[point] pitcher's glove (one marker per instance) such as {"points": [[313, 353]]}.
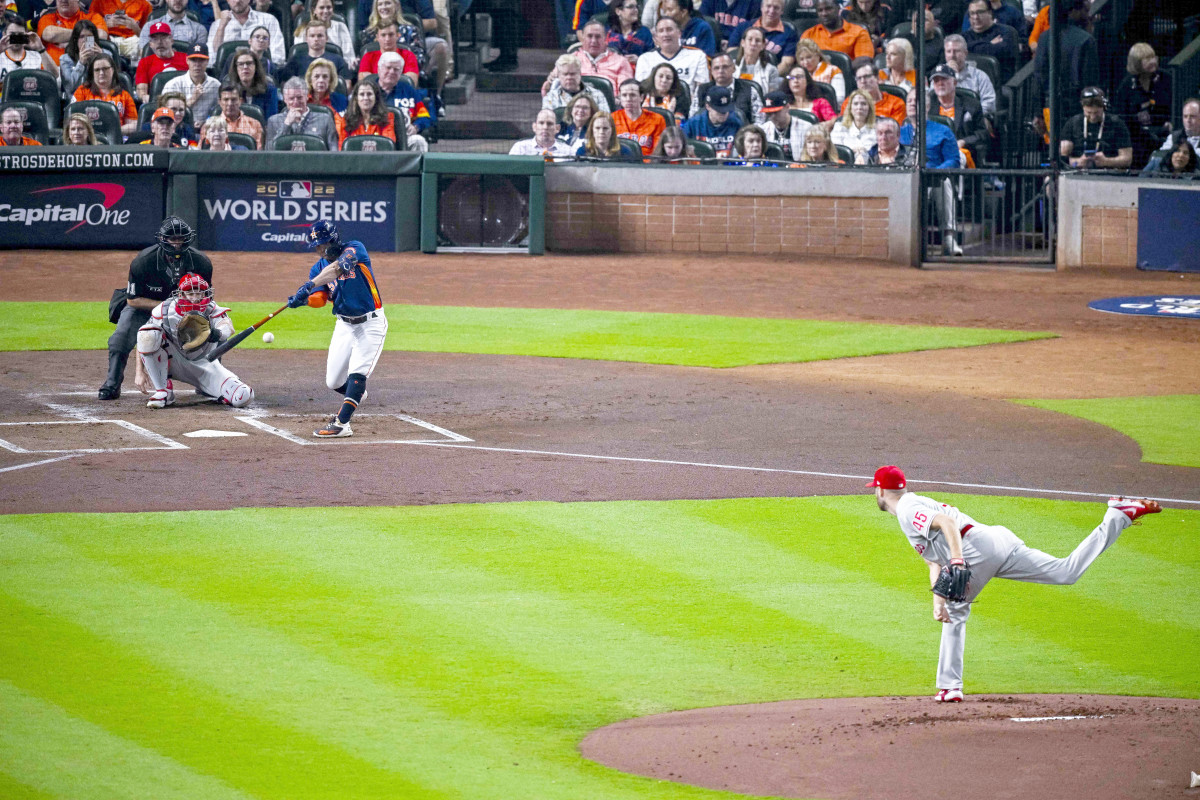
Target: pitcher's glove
{"points": [[953, 581], [194, 332]]}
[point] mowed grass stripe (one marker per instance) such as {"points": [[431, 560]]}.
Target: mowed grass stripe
{"points": [[271, 677], [75, 758], [157, 708], [678, 339]]}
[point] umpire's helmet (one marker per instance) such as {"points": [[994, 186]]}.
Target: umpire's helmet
{"points": [[323, 233], [175, 228]]}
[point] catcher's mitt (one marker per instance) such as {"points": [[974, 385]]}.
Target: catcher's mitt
{"points": [[194, 331], [953, 581]]}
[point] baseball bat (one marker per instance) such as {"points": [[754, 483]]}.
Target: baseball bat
{"points": [[236, 339]]}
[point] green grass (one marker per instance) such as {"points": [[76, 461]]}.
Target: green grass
{"points": [[462, 651], [1167, 428], [682, 339]]}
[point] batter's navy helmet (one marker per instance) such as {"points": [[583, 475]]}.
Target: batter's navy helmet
{"points": [[323, 232]]}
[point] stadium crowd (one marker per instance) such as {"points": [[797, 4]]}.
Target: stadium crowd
{"points": [[744, 82]]}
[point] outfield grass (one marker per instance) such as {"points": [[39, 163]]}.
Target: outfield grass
{"points": [[682, 339], [463, 651], [1167, 428]]}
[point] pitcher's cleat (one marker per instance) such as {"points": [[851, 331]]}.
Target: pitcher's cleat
{"points": [[948, 696]]}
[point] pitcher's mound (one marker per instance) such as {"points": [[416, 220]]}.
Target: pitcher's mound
{"points": [[911, 748]]}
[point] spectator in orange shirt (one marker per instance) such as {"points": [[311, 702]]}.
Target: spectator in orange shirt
{"points": [[833, 33], [366, 114], [1041, 24], [124, 19], [12, 129], [633, 122], [886, 105], [55, 28], [100, 83]]}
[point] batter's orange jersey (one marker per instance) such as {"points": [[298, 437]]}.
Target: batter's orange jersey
{"points": [[644, 130]]}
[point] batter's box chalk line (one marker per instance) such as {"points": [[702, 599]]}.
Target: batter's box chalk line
{"points": [[163, 443], [257, 419]]}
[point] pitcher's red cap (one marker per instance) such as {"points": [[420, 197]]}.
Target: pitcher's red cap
{"points": [[889, 477]]}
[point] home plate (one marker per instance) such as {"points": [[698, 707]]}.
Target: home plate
{"points": [[207, 434]]}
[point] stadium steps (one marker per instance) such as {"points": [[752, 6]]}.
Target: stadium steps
{"points": [[501, 108]]}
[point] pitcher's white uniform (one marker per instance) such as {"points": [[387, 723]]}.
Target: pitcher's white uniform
{"points": [[163, 357], [991, 551]]}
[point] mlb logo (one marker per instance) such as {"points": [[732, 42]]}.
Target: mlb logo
{"points": [[296, 190], [370, 146]]}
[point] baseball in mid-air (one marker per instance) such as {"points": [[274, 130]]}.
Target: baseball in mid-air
{"points": [[268, 337]]}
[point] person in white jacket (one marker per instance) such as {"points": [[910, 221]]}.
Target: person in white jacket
{"points": [[856, 128]]}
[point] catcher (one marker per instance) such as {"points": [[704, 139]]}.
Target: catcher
{"points": [[181, 331], [964, 555]]}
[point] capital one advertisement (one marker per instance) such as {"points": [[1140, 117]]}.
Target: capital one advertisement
{"points": [[276, 213], [96, 210]]}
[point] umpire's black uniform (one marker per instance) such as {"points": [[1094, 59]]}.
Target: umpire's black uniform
{"points": [[153, 275]]}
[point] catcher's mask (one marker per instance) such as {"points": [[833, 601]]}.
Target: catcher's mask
{"points": [[175, 236], [194, 294]]}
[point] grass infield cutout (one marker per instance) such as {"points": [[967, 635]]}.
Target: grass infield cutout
{"points": [[1167, 427], [678, 339], [463, 651]]}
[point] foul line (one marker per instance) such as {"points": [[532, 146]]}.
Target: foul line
{"points": [[773, 469]]}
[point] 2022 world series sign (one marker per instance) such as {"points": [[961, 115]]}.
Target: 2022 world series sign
{"points": [[275, 213]]}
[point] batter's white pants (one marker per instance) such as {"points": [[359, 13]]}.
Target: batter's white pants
{"points": [[1003, 555], [355, 348]]}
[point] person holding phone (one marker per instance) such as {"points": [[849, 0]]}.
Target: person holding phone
{"points": [[124, 19], [55, 27], [21, 49], [1096, 139], [81, 49]]}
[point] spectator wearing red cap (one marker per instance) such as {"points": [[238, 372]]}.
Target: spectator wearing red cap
{"points": [[162, 128], [963, 555], [183, 28], [163, 56]]}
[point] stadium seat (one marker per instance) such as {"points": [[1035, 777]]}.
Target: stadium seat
{"points": [[774, 152], [160, 80], [254, 112], [301, 142], [807, 116], [845, 153], [560, 114], [303, 48], [702, 149], [399, 122], [667, 115], [103, 114], [755, 88], [180, 47], [842, 62], [34, 115], [364, 142], [989, 66], [630, 148], [244, 139], [147, 110], [35, 86], [827, 91], [604, 87], [223, 54], [892, 89], [317, 108]]}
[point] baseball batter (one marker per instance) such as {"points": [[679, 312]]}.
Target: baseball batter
{"points": [[181, 331], [963, 555], [344, 276], [153, 275]]}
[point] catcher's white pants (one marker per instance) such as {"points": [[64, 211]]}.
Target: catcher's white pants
{"points": [[1002, 555], [355, 348], [211, 377]]}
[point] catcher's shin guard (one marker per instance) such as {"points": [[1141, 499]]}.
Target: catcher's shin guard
{"points": [[236, 394], [154, 358]]}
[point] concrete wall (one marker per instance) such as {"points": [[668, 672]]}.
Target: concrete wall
{"points": [[1098, 219], [857, 213]]}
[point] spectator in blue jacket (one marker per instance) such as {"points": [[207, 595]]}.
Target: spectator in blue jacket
{"points": [[717, 124], [941, 148]]}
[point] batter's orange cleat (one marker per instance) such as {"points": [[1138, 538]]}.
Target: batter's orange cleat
{"points": [[1134, 508]]}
